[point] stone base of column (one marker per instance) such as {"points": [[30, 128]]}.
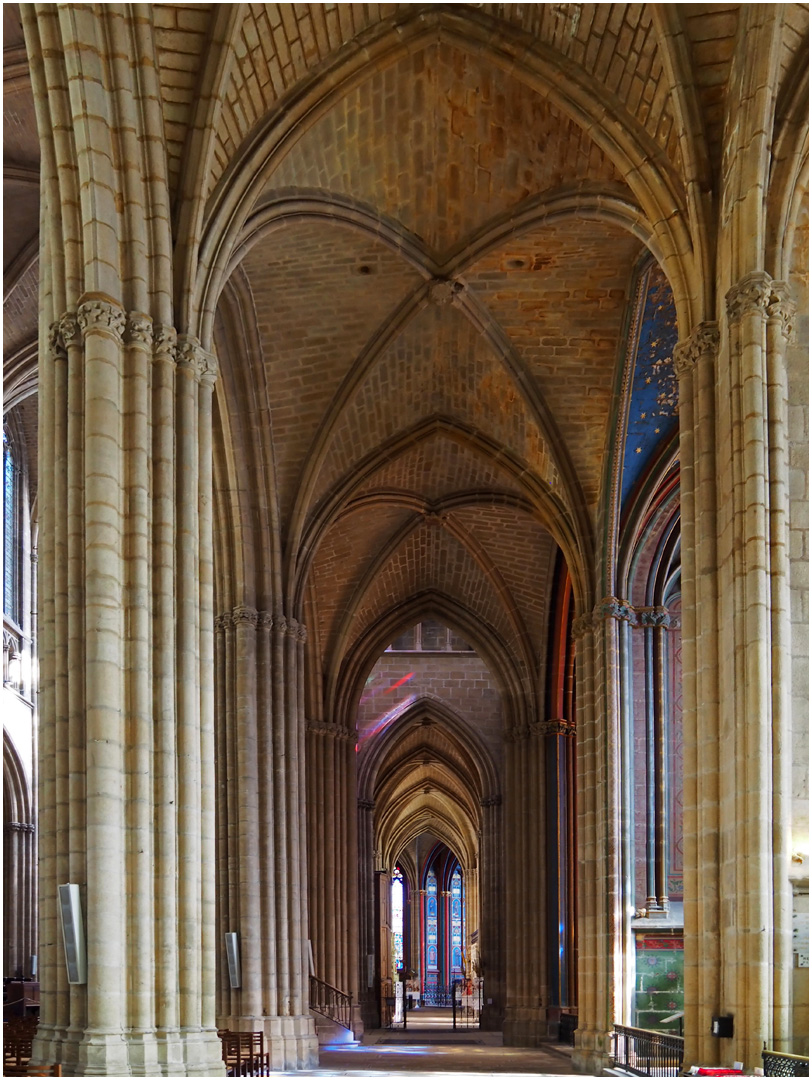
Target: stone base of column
{"points": [[369, 1013], [357, 1023], [103, 1053], [94, 1053], [491, 1018], [291, 1041], [525, 1026], [591, 1054]]}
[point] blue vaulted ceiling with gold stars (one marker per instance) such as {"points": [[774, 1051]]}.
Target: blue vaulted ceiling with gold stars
{"points": [[651, 400]]}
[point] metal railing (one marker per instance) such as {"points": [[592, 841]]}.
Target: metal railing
{"points": [[331, 1002], [778, 1064], [648, 1053]]}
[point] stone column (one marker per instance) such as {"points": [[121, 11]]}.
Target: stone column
{"points": [[695, 362], [262, 871], [492, 886], [524, 890], [367, 916], [333, 858], [603, 960], [18, 880], [119, 820]]}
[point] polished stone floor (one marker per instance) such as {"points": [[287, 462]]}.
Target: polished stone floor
{"points": [[430, 1048]]}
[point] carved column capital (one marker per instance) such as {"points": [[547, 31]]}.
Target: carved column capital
{"points": [[749, 297], [611, 607], [242, 615], [296, 630], [193, 357], [139, 330], [164, 343], [490, 800], [69, 330], [56, 346], [704, 341], [581, 624], [20, 826], [782, 308], [102, 315], [265, 620], [654, 616], [366, 804], [555, 727]]}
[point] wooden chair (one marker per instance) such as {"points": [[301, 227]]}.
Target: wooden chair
{"points": [[244, 1053]]}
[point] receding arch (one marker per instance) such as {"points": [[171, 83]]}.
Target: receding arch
{"points": [[344, 683], [540, 502]]}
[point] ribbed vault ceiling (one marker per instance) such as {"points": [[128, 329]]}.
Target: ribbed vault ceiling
{"points": [[436, 436]]}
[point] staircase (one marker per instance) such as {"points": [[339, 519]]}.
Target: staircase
{"points": [[332, 1011]]}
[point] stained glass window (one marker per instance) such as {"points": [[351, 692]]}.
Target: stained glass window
{"points": [[11, 546], [456, 922], [397, 921], [431, 921]]}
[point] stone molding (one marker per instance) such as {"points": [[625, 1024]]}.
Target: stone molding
{"points": [[750, 296], [703, 341], [611, 607]]}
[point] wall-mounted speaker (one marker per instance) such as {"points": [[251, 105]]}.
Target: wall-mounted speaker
{"points": [[73, 933], [233, 956]]}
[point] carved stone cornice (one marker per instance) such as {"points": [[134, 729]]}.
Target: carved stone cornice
{"points": [[750, 297], [102, 315], [703, 342], [444, 291], [139, 330], [782, 308]]}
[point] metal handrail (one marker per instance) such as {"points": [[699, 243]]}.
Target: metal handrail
{"points": [[331, 1002], [648, 1053], [777, 1063]]}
